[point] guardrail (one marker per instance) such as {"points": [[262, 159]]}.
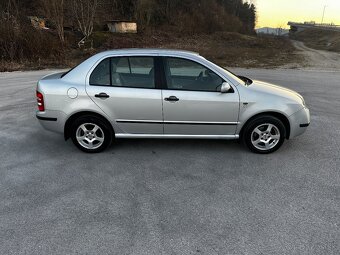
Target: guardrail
{"points": [[315, 25]]}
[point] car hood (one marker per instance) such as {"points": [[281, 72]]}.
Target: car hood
{"points": [[276, 90]]}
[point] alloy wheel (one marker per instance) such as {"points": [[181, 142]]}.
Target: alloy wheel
{"points": [[90, 136], [265, 137]]}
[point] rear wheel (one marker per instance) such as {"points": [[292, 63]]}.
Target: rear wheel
{"points": [[264, 134], [91, 134]]}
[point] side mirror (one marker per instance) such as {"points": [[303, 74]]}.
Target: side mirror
{"points": [[225, 88]]}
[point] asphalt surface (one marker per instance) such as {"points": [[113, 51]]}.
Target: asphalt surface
{"points": [[170, 196]]}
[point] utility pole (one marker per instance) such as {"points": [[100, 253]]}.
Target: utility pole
{"points": [[323, 14]]}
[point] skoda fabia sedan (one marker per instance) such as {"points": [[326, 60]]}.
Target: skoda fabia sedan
{"points": [[153, 93]]}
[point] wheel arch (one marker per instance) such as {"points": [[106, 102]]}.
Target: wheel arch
{"points": [[278, 115], [73, 117]]}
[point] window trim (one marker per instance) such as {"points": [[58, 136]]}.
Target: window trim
{"points": [[160, 78], [156, 81], [128, 63], [165, 87]]}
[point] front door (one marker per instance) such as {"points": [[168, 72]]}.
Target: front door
{"points": [[193, 103], [124, 88]]}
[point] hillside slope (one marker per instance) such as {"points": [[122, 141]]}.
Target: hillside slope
{"points": [[319, 39], [224, 48]]}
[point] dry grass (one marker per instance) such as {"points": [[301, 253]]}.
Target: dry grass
{"points": [[224, 48]]}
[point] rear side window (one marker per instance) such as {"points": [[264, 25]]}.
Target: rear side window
{"points": [[133, 72], [101, 74]]}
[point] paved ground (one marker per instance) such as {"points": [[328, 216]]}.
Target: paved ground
{"points": [[172, 196]]}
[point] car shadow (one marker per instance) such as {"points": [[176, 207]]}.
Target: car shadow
{"points": [[178, 144]]}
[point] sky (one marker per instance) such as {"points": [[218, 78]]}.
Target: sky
{"points": [[277, 13]]}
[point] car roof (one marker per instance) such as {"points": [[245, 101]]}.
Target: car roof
{"points": [[149, 51], [78, 74]]}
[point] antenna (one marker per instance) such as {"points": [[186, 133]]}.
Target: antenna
{"points": [[323, 14]]}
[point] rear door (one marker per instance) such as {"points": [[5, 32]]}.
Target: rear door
{"points": [[125, 89], [193, 103]]}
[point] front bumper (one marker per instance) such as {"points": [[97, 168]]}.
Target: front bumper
{"points": [[299, 122], [52, 120]]}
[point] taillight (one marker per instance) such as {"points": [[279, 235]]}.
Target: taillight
{"points": [[40, 100]]}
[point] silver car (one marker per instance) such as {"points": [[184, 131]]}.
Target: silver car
{"points": [[154, 93]]}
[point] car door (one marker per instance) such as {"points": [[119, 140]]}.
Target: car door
{"points": [[193, 103], [125, 89]]}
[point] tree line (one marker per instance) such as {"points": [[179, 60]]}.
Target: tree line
{"points": [[192, 16], [204, 15], [19, 40]]}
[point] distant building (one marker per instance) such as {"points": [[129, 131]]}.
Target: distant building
{"points": [[122, 26], [272, 31]]}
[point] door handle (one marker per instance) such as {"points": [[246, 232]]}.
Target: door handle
{"points": [[102, 95], [171, 99]]}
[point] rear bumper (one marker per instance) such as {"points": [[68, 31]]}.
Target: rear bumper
{"points": [[52, 120], [299, 122], [46, 118]]}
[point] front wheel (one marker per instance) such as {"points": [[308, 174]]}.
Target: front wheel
{"points": [[91, 134], [264, 134]]}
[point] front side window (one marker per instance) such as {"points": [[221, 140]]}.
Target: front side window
{"points": [[183, 74], [134, 72]]}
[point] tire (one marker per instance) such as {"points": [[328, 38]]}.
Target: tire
{"points": [[264, 134], [91, 134]]}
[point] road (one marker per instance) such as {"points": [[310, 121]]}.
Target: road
{"points": [[170, 196], [318, 59]]}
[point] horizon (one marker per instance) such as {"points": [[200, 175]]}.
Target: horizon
{"points": [[277, 13]]}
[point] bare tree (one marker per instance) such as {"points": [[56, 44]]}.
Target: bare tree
{"points": [[12, 8], [84, 12], [146, 10], [54, 10], [9, 29]]}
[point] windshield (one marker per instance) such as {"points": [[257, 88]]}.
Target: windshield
{"points": [[233, 76]]}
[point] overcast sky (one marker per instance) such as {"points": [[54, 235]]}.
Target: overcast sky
{"points": [[275, 13]]}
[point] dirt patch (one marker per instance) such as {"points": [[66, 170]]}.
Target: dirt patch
{"points": [[317, 59]]}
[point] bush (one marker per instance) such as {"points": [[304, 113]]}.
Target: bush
{"points": [[20, 42]]}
